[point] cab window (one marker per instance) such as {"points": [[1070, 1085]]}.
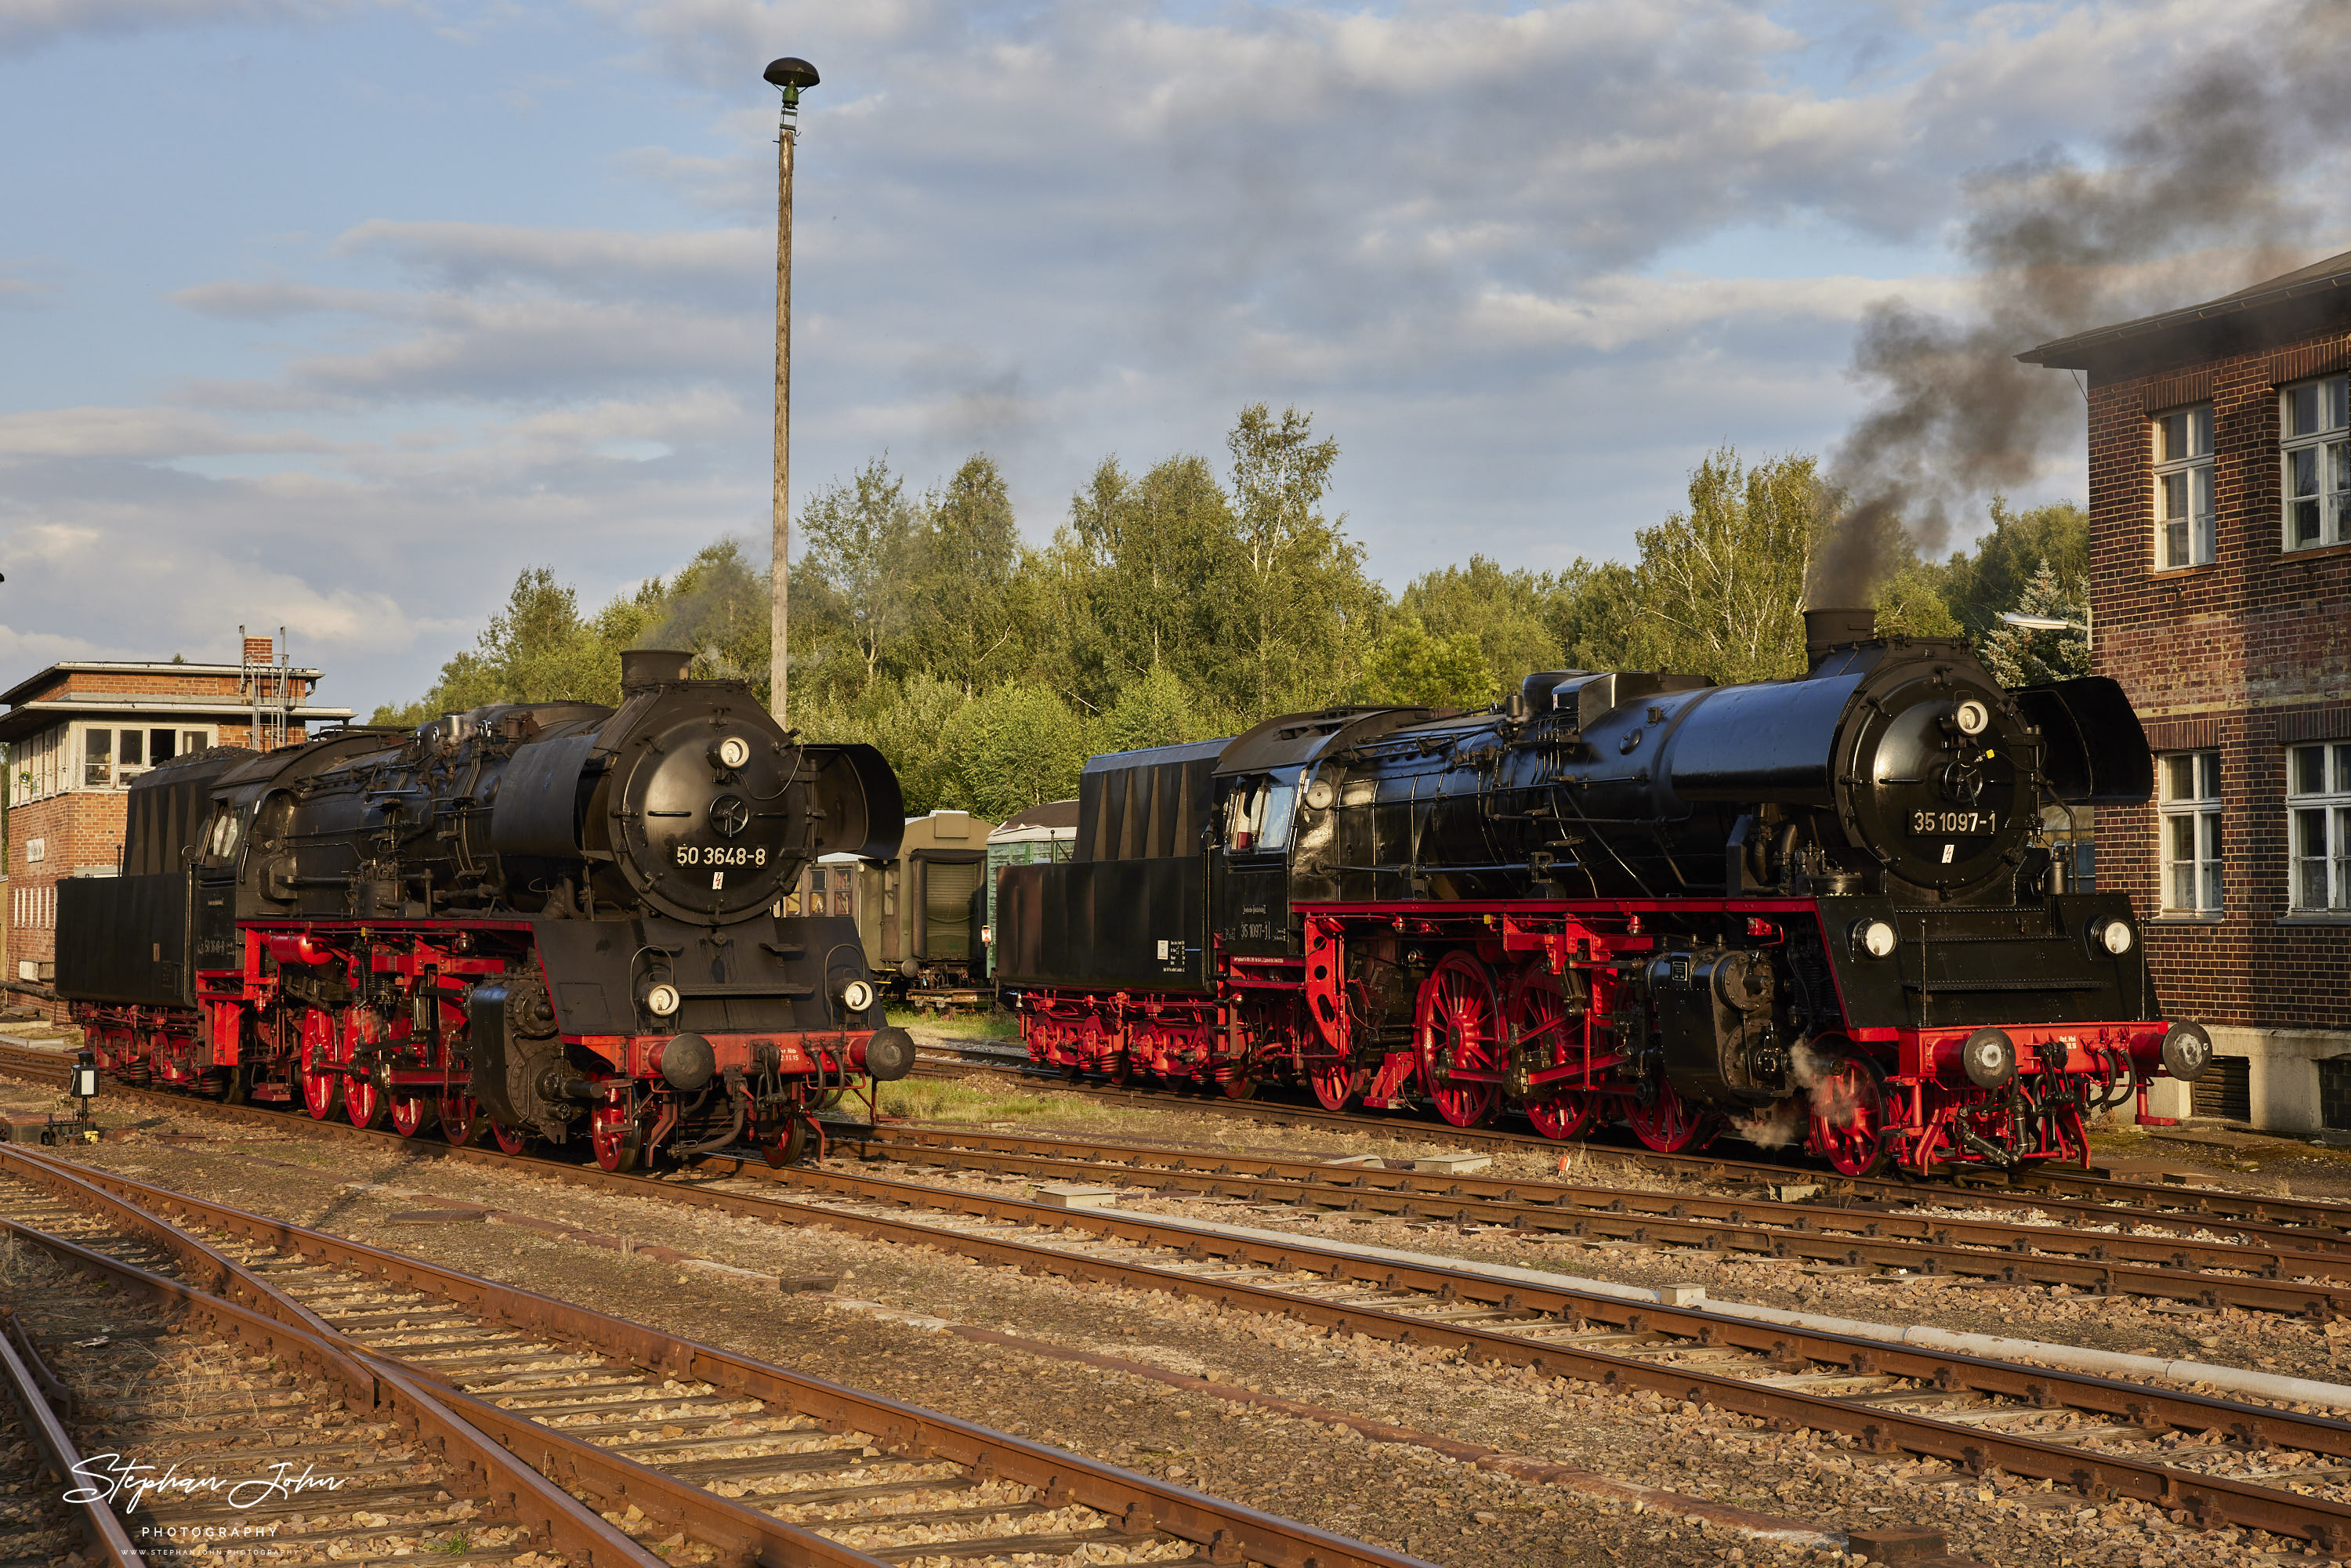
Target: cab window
{"points": [[1258, 815]]}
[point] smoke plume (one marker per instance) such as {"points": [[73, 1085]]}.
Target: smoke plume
{"points": [[2193, 201]]}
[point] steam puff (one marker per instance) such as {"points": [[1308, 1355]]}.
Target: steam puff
{"points": [[2195, 199]]}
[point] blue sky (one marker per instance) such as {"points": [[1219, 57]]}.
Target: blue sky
{"points": [[336, 314]]}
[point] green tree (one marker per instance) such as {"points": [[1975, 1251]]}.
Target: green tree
{"points": [[1297, 606], [717, 609], [1721, 586], [1157, 546], [535, 649], [860, 541], [1995, 575], [1407, 666], [2023, 657], [968, 551], [1507, 612]]}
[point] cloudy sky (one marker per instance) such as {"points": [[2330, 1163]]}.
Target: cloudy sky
{"points": [[337, 313]]}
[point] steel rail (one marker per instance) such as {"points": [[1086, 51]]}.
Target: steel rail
{"points": [[1228, 1532], [2294, 1223], [2210, 1499], [561, 1520], [1800, 1232], [100, 1526], [2029, 1186], [1877, 1427]]}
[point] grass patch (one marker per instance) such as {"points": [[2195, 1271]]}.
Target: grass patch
{"points": [[993, 1024], [962, 1100]]}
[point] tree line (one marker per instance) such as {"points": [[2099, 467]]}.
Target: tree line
{"points": [[1184, 602]]}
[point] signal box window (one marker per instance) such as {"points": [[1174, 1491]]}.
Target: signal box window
{"points": [[2190, 809], [2318, 803], [2314, 427], [97, 758], [2184, 530]]}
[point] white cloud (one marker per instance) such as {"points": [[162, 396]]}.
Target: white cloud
{"points": [[140, 433], [29, 25]]}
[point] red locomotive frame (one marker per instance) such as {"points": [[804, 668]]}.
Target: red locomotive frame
{"points": [[1522, 1008], [251, 1037]]}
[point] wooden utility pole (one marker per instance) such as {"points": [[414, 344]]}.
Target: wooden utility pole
{"points": [[790, 76]]}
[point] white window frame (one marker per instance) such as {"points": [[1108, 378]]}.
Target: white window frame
{"points": [[2318, 828], [2181, 442], [118, 773], [2196, 816], [2325, 452]]}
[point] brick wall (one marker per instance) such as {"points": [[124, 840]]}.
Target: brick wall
{"points": [[2221, 657]]}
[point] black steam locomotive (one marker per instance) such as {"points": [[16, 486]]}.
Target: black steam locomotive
{"points": [[537, 919], [1819, 909]]}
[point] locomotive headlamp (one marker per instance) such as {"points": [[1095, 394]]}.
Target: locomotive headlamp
{"points": [[2114, 936], [734, 751], [1973, 717], [660, 999], [856, 996], [1874, 937]]}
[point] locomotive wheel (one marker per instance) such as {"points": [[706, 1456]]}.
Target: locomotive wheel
{"points": [[1239, 1086], [1849, 1117], [461, 1119], [1460, 1022], [613, 1132], [1337, 1084], [1668, 1124], [322, 1089], [787, 1146], [1541, 1019], [411, 1114], [510, 1140], [363, 1103], [1566, 1114]]}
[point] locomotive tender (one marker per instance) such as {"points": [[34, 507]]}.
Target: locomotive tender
{"points": [[1817, 909], [537, 918]]}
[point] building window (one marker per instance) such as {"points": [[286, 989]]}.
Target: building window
{"points": [[2315, 422], [2184, 532], [97, 758], [2318, 802], [2192, 832]]}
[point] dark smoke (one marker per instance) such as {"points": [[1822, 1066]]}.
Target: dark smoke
{"points": [[2192, 201]]}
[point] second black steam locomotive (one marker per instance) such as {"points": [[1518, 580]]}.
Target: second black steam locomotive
{"points": [[1820, 909], [550, 919]]}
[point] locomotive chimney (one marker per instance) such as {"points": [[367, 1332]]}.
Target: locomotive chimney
{"points": [[644, 668], [1826, 629]]}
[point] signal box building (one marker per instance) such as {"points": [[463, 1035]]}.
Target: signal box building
{"points": [[2220, 598], [79, 733]]}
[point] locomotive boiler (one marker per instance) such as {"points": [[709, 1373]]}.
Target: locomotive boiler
{"points": [[1819, 909], [556, 920]]}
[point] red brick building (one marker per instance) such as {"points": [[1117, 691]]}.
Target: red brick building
{"points": [[76, 734], [2220, 599]]}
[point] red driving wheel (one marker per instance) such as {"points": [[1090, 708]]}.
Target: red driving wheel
{"points": [[461, 1119], [1460, 1031], [1337, 1084], [1849, 1116], [322, 1088], [510, 1140], [614, 1134], [1670, 1124], [1548, 1030], [410, 1114]]}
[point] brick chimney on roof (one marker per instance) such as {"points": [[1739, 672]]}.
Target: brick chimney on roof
{"points": [[259, 650]]}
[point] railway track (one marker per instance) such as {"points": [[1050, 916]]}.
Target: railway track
{"points": [[280, 1439], [2033, 1187], [646, 1424], [2264, 1268], [2210, 1462]]}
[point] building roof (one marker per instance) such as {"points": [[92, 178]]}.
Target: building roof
{"points": [[31, 718], [16, 694], [2078, 351]]}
